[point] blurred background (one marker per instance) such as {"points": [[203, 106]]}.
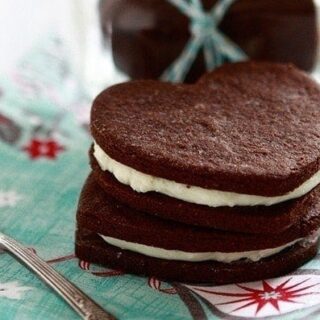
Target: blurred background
{"points": [[24, 23], [72, 29], [26, 28]]}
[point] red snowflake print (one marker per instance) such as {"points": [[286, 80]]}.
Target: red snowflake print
{"points": [[47, 148], [263, 298]]}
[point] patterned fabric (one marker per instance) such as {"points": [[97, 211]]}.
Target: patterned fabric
{"points": [[43, 156], [217, 47]]}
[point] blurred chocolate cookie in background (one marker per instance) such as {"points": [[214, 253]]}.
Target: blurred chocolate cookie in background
{"points": [[147, 36]]}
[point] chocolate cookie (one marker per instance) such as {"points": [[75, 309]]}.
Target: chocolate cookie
{"points": [[148, 35], [256, 219], [90, 247], [250, 128], [103, 215]]}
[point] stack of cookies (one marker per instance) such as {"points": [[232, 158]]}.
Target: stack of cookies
{"points": [[212, 182]]}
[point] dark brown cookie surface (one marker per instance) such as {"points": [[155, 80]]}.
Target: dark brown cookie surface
{"points": [[101, 214], [256, 219], [248, 128], [148, 35], [92, 248]]}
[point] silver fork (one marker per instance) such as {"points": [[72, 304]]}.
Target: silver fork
{"points": [[79, 301]]}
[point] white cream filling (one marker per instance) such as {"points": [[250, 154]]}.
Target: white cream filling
{"points": [[227, 257], [142, 182]]}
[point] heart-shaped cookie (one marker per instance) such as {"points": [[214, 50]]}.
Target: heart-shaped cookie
{"points": [[169, 161], [117, 236], [247, 128], [263, 220]]}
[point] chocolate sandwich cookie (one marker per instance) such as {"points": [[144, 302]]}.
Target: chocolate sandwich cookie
{"points": [[257, 219], [90, 247], [148, 35], [218, 256], [246, 134]]}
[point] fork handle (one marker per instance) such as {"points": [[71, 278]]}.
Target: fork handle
{"points": [[78, 300]]}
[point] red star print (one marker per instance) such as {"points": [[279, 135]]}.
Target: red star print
{"points": [[43, 148], [268, 295]]}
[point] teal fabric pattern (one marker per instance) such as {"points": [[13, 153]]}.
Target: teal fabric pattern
{"points": [[43, 156], [205, 34]]}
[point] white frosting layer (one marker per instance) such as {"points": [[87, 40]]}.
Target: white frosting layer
{"points": [[142, 182], [226, 257]]}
